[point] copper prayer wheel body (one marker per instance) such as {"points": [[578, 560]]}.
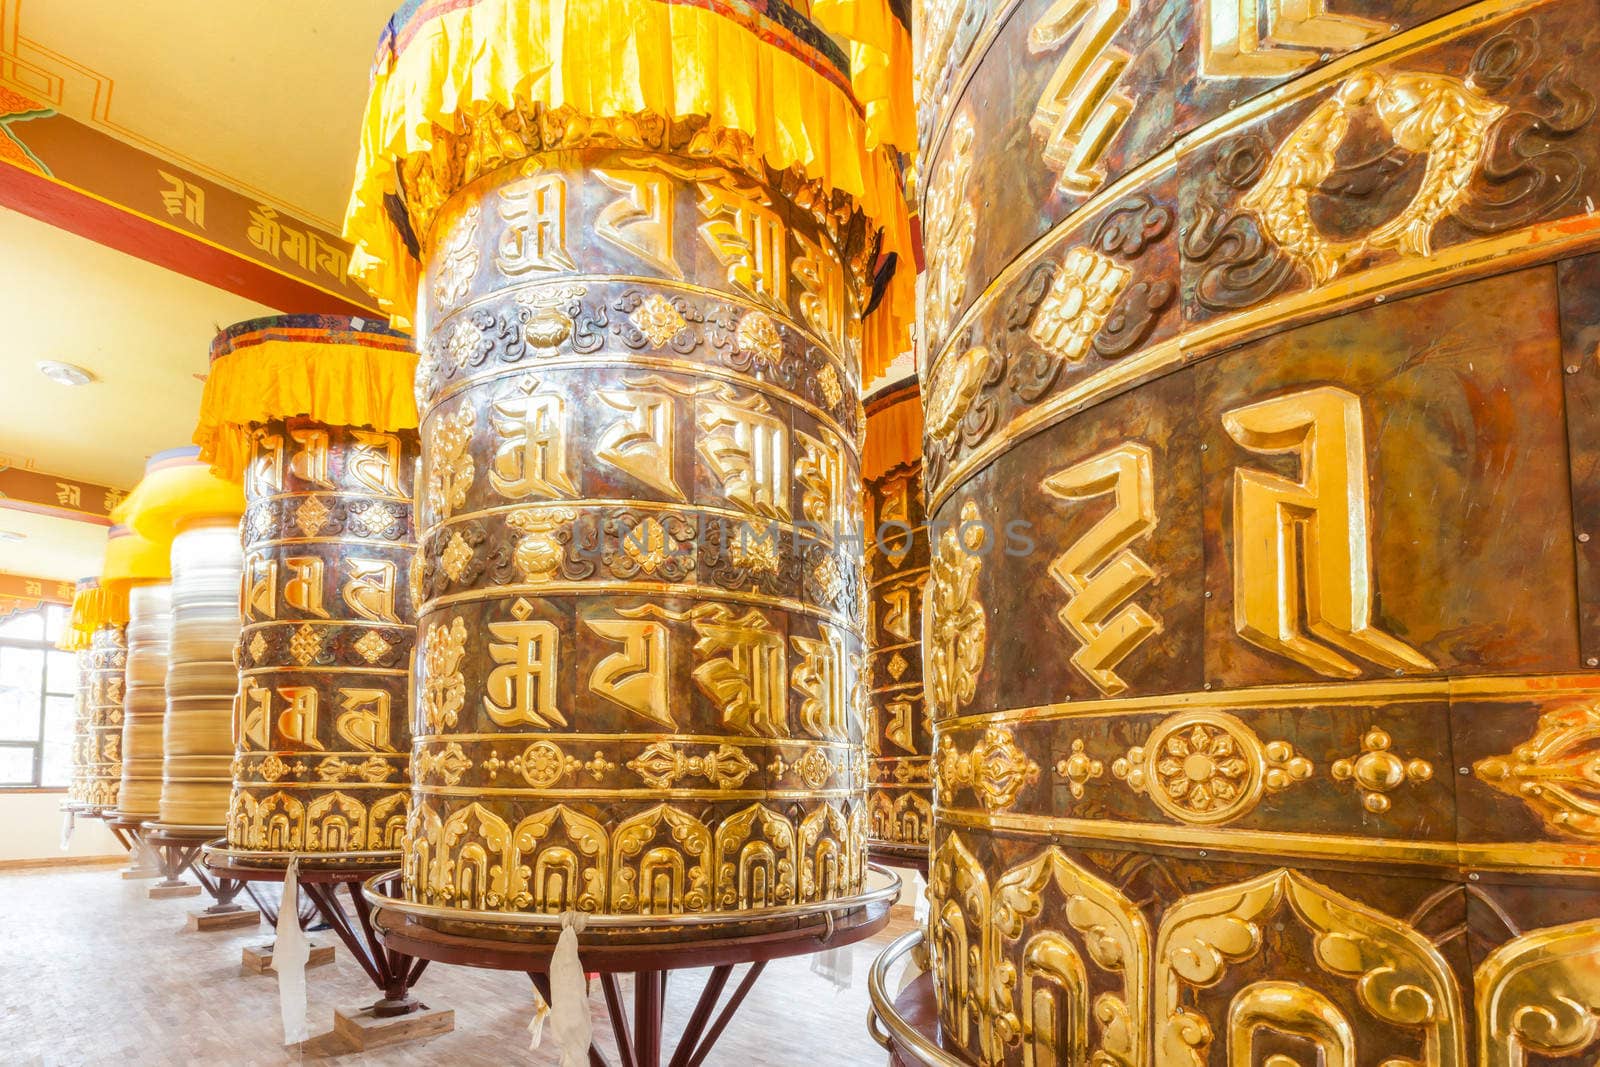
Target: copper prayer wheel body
{"points": [[202, 678], [108, 662], [900, 796], [641, 661], [320, 718], [1264, 699], [144, 700]]}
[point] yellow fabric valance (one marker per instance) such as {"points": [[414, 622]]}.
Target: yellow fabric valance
{"points": [[79, 631], [133, 560], [338, 371], [880, 67], [894, 430], [762, 76], [178, 487]]}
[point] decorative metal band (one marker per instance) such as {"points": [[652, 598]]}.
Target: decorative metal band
{"points": [[630, 541], [322, 710]]}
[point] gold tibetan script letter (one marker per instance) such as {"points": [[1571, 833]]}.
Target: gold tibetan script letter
{"points": [[1297, 33], [1098, 572], [820, 472], [364, 720], [899, 728], [255, 715], [260, 589], [748, 239], [530, 457], [310, 464], [1081, 110], [748, 682], [1302, 549], [897, 612], [298, 722], [821, 275], [747, 448], [523, 688], [536, 240], [635, 677], [824, 679], [266, 464], [375, 462], [641, 441], [369, 592], [303, 590], [640, 220]]}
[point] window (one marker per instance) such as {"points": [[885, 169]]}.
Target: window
{"points": [[38, 700]]}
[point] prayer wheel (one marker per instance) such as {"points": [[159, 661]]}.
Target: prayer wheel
{"points": [[137, 596], [75, 638], [314, 415], [182, 503], [1261, 621], [640, 684], [108, 661], [144, 699], [900, 793]]}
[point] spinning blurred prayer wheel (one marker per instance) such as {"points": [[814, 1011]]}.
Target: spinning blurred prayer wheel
{"points": [[314, 415], [640, 684], [140, 569], [102, 614], [182, 503], [1268, 734], [900, 796]]}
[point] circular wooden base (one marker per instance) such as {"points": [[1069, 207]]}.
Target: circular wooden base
{"points": [[612, 951], [392, 972], [895, 854]]}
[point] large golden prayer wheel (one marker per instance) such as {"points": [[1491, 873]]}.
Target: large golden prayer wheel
{"points": [[108, 661], [182, 503], [640, 670], [144, 699], [900, 796], [1260, 636], [322, 733]]}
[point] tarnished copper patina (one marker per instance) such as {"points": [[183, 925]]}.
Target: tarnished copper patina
{"points": [[1266, 738], [900, 796]]}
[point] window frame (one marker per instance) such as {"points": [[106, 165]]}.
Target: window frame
{"points": [[45, 644]]}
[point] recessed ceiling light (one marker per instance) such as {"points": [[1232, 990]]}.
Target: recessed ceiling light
{"points": [[65, 373], [12, 535]]}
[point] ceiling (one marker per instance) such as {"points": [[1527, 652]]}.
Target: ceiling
{"points": [[55, 548], [144, 331], [265, 97]]}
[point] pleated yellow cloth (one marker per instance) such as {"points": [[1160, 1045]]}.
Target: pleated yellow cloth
{"points": [[335, 370], [894, 431], [79, 631], [178, 487], [880, 67], [601, 72]]}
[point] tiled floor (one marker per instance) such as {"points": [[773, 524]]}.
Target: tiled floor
{"points": [[94, 972]]}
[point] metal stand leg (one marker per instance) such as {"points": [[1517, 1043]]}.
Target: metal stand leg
{"points": [[391, 972]]}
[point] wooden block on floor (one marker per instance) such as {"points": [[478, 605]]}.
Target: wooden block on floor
{"points": [[137, 873], [168, 892], [258, 958], [363, 1031], [223, 920]]}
